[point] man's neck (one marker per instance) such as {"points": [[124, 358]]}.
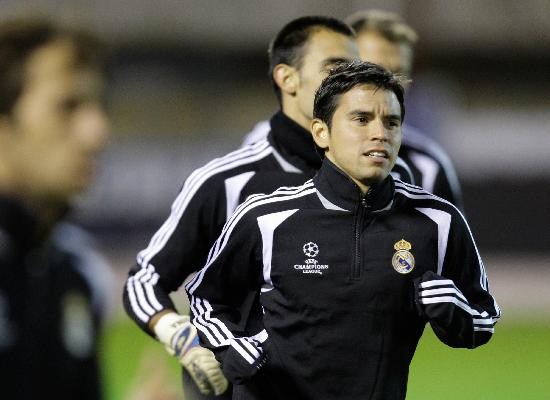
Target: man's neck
{"points": [[47, 212], [294, 114]]}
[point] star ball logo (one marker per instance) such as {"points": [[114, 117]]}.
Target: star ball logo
{"points": [[311, 249], [311, 265]]}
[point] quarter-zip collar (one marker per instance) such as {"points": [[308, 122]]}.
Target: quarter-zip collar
{"points": [[341, 190], [293, 142]]}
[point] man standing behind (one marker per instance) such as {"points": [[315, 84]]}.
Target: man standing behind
{"points": [[385, 39], [322, 291], [300, 56], [52, 128]]}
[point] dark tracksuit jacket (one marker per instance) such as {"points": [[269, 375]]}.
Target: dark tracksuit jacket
{"points": [[50, 310], [430, 165], [309, 292], [286, 157]]}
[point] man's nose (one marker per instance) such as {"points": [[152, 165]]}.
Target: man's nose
{"points": [[378, 130], [94, 127]]}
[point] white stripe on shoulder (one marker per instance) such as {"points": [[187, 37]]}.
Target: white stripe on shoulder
{"points": [[327, 204], [401, 163], [285, 165], [246, 155], [443, 221], [233, 188], [415, 192], [258, 132], [428, 168], [267, 224], [412, 188]]}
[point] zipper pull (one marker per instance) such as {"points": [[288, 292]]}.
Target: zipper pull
{"points": [[364, 203], [364, 200]]}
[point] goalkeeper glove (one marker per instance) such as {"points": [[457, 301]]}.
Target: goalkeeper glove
{"points": [[180, 338]]}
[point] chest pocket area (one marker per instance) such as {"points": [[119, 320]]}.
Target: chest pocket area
{"points": [[310, 255], [392, 259]]}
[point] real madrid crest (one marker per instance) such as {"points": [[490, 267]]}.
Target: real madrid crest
{"points": [[403, 260]]}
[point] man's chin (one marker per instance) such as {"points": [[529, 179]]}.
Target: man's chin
{"points": [[376, 176]]}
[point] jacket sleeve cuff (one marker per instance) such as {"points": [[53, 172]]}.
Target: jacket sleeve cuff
{"points": [[239, 365]]}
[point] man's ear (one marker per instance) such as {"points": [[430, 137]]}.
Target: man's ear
{"points": [[320, 132], [286, 77]]}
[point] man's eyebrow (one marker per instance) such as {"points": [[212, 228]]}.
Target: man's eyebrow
{"points": [[394, 117], [360, 113], [365, 113], [335, 60]]}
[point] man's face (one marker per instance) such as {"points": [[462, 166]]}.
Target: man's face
{"points": [[323, 50], [395, 57], [58, 126], [365, 134]]}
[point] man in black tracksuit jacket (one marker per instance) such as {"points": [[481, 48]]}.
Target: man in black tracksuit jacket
{"points": [[322, 291], [300, 57], [53, 127]]}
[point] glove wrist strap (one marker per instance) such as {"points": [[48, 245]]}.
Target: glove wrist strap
{"points": [[168, 325]]}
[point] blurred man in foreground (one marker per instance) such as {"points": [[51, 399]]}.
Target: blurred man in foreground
{"points": [[52, 129], [385, 39]]}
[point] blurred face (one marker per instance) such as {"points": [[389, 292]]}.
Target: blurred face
{"points": [[324, 49], [395, 57], [365, 134], [58, 126]]}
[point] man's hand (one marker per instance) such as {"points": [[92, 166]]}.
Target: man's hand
{"points": [[180, 339], [437, 298]]}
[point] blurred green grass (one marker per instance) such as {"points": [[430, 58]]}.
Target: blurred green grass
{"points": [[514, 365]]}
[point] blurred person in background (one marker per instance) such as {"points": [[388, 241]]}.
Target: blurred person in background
{"points": [[300, 56], [385, 39], [53, 284]]}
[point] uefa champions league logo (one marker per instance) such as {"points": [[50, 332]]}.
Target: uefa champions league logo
{"points": [[311, 265]]}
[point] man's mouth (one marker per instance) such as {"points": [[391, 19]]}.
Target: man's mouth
{"points": [[377, 154]]}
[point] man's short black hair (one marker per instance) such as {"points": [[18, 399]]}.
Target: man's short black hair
{"points": [[20, 37], [345, 77], [288, 46]]}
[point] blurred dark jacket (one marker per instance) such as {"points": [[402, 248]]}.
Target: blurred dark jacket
{"points": [[51, 303]]}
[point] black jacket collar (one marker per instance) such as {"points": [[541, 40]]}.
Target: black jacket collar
{"points": [[342, 191], [17, 222], [293, 142]]}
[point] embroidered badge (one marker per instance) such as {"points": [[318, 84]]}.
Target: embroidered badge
{"points": [[311, 265], [311, 249], [403, 260]]}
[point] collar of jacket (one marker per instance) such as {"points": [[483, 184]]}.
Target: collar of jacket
{"points": [[17, 222], [293, 142], [339, 189]]}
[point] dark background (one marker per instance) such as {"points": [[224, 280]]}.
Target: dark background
{"points": [[188, 81]]}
